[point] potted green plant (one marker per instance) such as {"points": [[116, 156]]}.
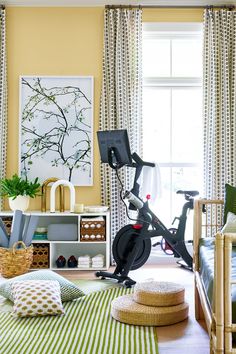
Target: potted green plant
{"points": [[19, 191]]}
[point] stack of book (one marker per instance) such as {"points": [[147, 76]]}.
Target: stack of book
{"points": [[40, 234]]}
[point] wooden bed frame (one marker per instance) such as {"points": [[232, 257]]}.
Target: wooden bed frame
{"points": [[219, 317]]}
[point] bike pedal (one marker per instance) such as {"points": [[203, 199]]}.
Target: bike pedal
{"points": [[184, 265]]}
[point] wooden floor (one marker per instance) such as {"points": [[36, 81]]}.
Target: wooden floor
{"points": [[187, 337]]}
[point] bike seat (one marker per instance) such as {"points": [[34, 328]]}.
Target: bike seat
{"points": [[189, 193]]}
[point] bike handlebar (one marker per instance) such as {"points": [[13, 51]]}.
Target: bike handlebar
{"points": [[140, 162]]}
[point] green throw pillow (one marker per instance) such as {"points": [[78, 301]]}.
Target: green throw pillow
{"points": [[69, 291], [230, 200]]}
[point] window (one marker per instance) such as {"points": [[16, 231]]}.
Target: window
{"points": [[172, 110]]}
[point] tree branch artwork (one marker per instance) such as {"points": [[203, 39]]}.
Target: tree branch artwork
{"points": [[56, 128]]}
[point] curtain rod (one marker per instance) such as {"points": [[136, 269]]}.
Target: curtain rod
{"points": [[230, 7]]}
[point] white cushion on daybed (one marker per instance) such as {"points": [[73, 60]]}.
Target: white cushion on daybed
{"points": [[230, 225]]}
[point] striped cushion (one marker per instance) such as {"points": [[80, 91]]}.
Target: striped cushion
{"points": [[69, 291]]}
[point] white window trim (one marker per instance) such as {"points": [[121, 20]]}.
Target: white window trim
{"points": [[172, 82], [185, 27], [178, 164], [171, 35]]}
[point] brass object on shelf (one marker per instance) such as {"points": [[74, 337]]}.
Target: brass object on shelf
{"points": [[44, 194]]}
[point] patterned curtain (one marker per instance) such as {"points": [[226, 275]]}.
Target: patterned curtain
{"points": [[219, 101], [3, 98], [121, 98]]}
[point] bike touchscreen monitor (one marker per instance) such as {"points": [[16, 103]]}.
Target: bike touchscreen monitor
{"points": [[114, 146]]}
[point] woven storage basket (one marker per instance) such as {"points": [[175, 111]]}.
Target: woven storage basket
{"points": [[7, 220], [40, 256], [15, 261], [92, 230]]}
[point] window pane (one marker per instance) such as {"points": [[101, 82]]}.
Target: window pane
{"points": [[187, 125], [172, 120], [169, 204], [185, 178], [186, 57], [156, 57], [156, 124], [162, 204]]}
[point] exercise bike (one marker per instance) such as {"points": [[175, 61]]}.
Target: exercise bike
{"points": [[132, 244]]}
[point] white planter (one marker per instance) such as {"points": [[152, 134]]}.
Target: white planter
{"points": [[20, 203]]}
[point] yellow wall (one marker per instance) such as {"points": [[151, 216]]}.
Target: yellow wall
{"points": [[62, 41], [53, 41]]}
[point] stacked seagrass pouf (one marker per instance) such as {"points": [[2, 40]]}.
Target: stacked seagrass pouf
{"points": [[152, 304]]}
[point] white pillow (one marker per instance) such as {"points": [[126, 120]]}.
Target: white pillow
{"points": [[230, 225], [36, 298]]}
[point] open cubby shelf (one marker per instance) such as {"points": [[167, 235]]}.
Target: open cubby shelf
{"points": [[67, 248]]}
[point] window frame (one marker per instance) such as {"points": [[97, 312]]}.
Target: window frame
{"points": [[173, 31]]}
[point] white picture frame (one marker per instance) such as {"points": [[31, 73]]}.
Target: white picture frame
{"points": [[56, 128]]}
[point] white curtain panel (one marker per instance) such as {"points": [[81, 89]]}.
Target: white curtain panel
{"points": [[121, 99], [219, 81], [3, 98]]}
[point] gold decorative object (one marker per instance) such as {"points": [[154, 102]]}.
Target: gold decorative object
{"points": [[44, 194]]}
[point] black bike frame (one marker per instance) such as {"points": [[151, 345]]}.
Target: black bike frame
{"points": [[148, 218], [176, 241], [141, 230]]}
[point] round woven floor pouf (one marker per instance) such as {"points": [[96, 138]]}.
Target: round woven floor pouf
{"points": [[154, 293], [125, 309]]}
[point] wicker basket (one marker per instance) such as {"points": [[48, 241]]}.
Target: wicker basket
{"points": [[92, 230], [40, 256], [15, 261], [7, 220]]}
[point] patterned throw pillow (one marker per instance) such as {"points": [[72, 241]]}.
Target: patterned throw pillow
{"points": [[69, 291], [36, 298], [230, 200]]}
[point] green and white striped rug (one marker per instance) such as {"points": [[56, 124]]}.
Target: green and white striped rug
{"points": [[86, 328]]}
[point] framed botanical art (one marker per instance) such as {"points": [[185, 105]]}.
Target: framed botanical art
{"points": [[56, 128]]}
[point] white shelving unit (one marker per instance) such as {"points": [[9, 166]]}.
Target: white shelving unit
{"points": [[68, 248]]}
